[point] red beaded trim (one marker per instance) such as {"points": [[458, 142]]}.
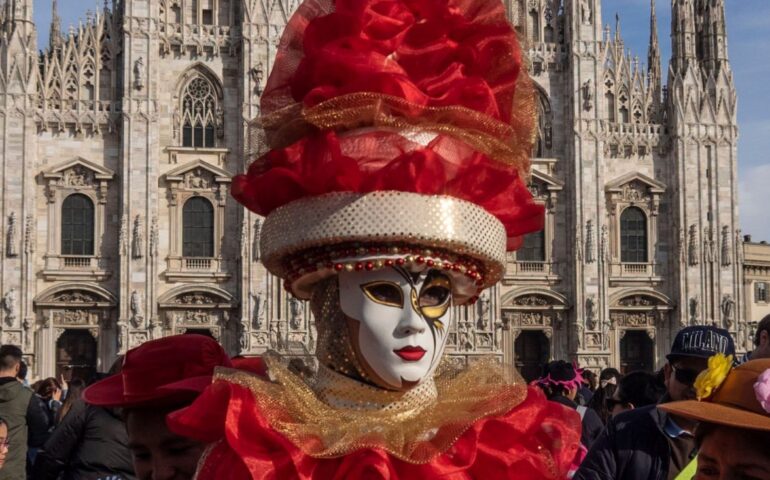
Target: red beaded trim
{"points": [[327, 258]]}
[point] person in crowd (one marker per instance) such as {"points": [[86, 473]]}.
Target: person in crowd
{"points": [[3, 442], [22, 376], [147, 393], [733, 409], [647, 442], [560, 382], [608, 383], [761, 342], [636, 390], [587, 389], [20, 410], [48, 393], [74, 392]]}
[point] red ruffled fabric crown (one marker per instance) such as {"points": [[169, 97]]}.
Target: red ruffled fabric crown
{"points": [[357, 85]]}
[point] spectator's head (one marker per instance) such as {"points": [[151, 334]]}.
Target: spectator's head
{"points": [[734, 429], [22, 375], [635, 390], [560, 379], [3, 442], [47, 388], [157, 378], [607, 376], [692, 348], [10, 361], [589, 379], [762, 340]]}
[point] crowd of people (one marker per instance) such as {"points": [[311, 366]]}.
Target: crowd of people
{"points": [[638, 425]]}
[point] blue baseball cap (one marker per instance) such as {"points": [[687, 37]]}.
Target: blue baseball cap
{"points": [[702, 341]]}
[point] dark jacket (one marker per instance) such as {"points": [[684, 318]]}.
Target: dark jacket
{"points": [[592, 424], [22, 415], [90, 443], [634, 446]]}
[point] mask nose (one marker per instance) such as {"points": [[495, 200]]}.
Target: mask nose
{"points": [[411, 322]]}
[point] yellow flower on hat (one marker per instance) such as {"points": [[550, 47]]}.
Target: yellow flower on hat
{"points": [[712, 378]]}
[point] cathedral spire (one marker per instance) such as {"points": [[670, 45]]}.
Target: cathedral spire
{"points": [[683, 35], [653, 60], [55, 37], [713, 35]]}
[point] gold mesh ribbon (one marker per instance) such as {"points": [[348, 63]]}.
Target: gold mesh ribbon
{"points": [[406, 426], [508, 143]]}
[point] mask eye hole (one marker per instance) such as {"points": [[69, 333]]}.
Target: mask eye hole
{"points": [[434, 296], [384, 293]]}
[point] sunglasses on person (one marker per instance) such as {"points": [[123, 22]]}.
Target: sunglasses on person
{"points": [[685, 376]]}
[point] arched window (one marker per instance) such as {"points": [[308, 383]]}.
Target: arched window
{"points": [[534, 25], [610, 97], [533, 249], [633, 236], [77, 226], [198, 228], [199, 113]]}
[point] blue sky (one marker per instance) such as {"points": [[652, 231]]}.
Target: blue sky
{"points": [[748, 24]]}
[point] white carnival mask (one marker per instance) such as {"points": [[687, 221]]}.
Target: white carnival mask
{"points": [[398, 322]]}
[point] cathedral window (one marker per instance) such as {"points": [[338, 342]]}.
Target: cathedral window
{"points": [[633, 236], [77, 226], [534, 25], [610, 98], [207, 16], [198, 228], [199, 114], [533, 249], [760, 292]]}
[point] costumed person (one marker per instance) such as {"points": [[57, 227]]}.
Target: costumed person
{"points": [[398, 136]]}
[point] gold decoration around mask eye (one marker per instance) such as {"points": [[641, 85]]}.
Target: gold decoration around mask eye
{"points": [[435, 298], [384, 293]]}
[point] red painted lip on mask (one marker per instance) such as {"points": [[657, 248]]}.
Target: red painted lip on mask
{"points": [[410, 354]]}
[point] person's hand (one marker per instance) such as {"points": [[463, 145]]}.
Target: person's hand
{"points": [[63, 382], [57, 395]]}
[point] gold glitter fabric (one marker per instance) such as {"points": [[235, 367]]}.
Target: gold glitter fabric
{"points": [[413, 426]]}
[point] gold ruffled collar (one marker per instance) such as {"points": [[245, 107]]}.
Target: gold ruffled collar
{"points": [[330, 415]]}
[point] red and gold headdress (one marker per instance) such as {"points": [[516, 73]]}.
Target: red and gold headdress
{"points": [[399, 131]]}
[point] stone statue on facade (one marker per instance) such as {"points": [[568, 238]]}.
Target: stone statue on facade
{"points": [[121, 335], [139, 73], [728, 310], [588, 95], [482, 310], [255, 245], [29, 235], [10, 306], [586, 12], [727, 259], [138, 238], [296, 309], [692, 250], [11, 248], [154, 237], [694, 311], [257, 309], [591, 313], [709, 251], [135, 305]]}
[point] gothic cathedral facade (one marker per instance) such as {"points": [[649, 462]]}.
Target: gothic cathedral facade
{"points": [[120, 138]]}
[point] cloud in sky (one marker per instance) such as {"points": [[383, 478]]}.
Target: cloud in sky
{"points": [[748, 24]]}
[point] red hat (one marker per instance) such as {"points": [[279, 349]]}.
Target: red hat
{"points": [[161, 372]]}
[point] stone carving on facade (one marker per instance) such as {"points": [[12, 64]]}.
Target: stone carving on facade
{"points": [[193, 317], [681, 247], [10, 305], [135, 305], [154, 236], [137, 250], [590, 313], [296, 310], [255, 245], [727, 259], [257, 74], [29, 235], [692, 249], [196, 180], [604, 244], [579, 243], [123, 235], [531, 301], [739, 246], [194, 298], [728, 310], [77, 177], [588, 95], [465, 337], [482, 310], [121, 335], [11, 236], [586, 12], [72, 317], [156, 328], [590, 255], [74, 296], [636, 301], [709, 249], [257, 310], [277, 341], [694, 311], [139, 73]]}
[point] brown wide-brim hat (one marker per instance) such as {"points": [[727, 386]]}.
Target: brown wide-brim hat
{"points": [[735, 403]]}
